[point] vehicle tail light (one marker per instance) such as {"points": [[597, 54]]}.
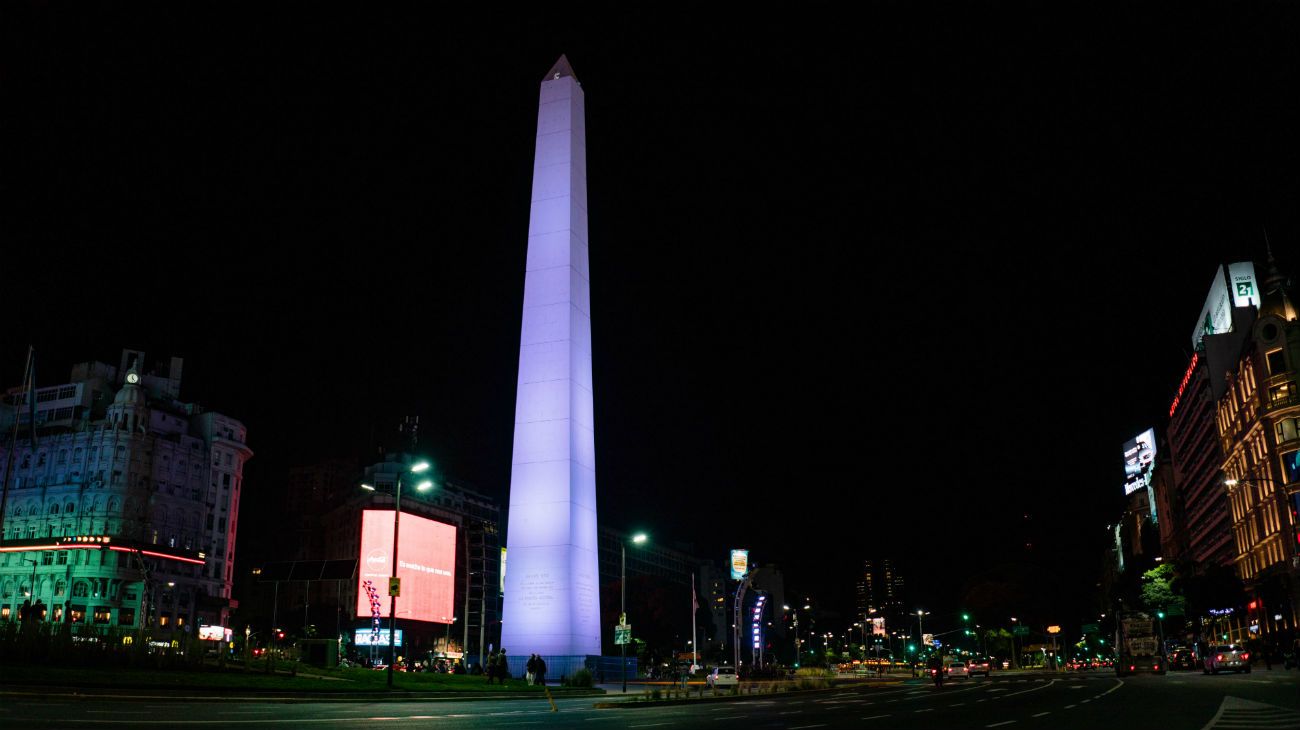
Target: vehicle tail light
{"points": [[1245, 656], [1157, 667], [1131, 668], [1219, 658]]}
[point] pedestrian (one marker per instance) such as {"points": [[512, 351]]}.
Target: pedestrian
{"points": [[491, 669], [503, 667], [541, 671], [531, 669]]}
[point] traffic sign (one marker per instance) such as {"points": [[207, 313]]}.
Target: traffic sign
{"points": [[622, 634], [395, 587], [1020, 630], [1053, 629], [1091, 629]]}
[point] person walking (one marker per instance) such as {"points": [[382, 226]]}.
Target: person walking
{"points": [[491, 669], [503, 667], [531, 669], [541, 670]]}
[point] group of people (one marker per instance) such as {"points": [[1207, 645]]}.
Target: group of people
{"points": [[536, 667], [498, 668]]}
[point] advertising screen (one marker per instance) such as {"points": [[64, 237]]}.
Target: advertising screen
{"points": [[426, 566], [1139, 461], [215, 633], [877, 627], [366, 637], [1245, 292], [739, 564]]}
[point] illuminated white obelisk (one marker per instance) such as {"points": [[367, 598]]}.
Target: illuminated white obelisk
{"points": [[552, 601]]}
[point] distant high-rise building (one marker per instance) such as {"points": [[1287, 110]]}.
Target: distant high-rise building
{"points": [[123, 512], [880, 591]]}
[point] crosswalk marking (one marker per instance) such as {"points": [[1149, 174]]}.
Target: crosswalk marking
{"points": [[1236, 712]]}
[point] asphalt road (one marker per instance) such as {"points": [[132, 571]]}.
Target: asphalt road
{"points": [[1093, 700]]}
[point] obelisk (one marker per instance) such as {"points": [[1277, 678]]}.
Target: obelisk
{"points": [[552, 600]]}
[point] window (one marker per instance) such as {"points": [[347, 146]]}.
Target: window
{"points": [[225, 481], [80, 590], [102, 615], [54, 509], [62, 558], [1281, 394], [62, 458], [125, 616], [1276, 362]]}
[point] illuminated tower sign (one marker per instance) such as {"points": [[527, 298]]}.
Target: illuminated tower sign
{"points": [[552, 604]]}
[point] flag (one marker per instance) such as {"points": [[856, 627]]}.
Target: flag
{"points": [[695, 603]]}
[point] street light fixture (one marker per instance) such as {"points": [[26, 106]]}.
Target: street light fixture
{"points": [[423, 486], [637, 539]]}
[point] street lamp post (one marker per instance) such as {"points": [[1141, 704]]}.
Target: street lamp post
{"points": [[622, 610], [424, 486]]}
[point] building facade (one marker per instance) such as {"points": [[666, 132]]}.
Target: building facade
{"points": [[330, 503], [1258, 421], [122, 509]]}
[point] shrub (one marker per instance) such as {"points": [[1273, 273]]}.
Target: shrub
{"points": [[580, 678]]}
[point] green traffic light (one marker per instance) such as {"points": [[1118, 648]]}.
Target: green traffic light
{"points": [[1160, 614], [965, 617]]}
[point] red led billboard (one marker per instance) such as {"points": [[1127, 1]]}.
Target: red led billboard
{"points": [[426, 566]]}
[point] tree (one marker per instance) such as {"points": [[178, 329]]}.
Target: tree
{"points": [[1157, 588]]}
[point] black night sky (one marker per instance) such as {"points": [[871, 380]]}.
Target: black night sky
{"points": [[861, 287]]}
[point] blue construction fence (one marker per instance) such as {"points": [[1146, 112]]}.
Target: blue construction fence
{"points": [[603, 668]]}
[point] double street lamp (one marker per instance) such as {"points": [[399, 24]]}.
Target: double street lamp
{"points": [[423, 486], [637, 539]]}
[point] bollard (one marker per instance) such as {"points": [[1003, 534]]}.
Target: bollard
{"points": [[550, 699]]}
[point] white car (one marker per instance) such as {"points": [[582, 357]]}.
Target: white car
{"points": [[1227, 658], [723, 677], [957, 669]]}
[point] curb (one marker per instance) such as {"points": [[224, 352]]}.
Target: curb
{"points": [[633, 703], [341, 697]]}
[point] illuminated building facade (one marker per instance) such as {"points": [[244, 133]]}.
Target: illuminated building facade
{"points": [[330, 503], [124, 511], [1259, 426], [880, 592]]}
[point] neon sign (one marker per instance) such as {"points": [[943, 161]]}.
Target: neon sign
{"points": [[1187, 377]]}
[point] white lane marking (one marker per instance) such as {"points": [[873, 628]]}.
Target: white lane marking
{"points": [[998, 689], [123, 712], [1023, 691], [875, 717], [1041, 714], [1070, 707], [957, 704], [733, 717], [805, 727], [928, 709], [790, 712], [651, 724], [1004, 722], [1077, 686], [1084, 702]]}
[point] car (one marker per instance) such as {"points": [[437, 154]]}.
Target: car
{"points": [[722, 677], [979, 666], [957, 669], [1226, 657]]}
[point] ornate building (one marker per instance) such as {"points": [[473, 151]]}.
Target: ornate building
{"points": [[1259, 426], [122, 508]]}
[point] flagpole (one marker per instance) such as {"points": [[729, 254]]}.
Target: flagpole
{"points": [[13, 441], [695, 637]]}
